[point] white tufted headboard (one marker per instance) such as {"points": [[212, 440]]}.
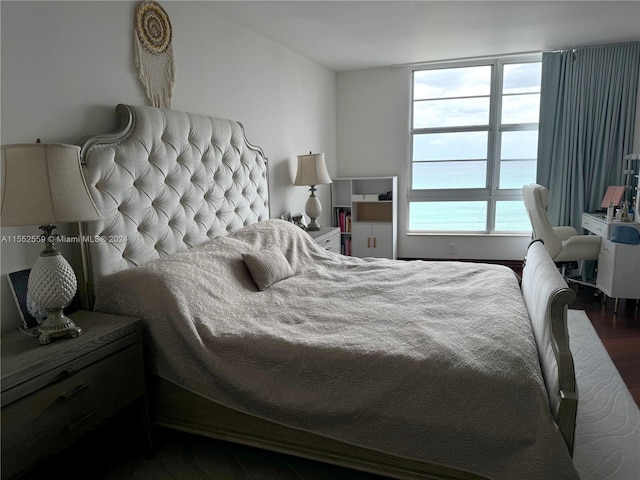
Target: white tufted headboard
{"points": [[165, 182]]}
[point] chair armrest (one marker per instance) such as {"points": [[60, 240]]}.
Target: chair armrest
{"points": [[580, 247], [564, 233]]}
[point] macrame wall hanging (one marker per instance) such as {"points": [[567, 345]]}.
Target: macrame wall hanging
{"points": [[153, 53]]}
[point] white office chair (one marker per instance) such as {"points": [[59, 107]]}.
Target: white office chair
{"points": [[564, 244]]}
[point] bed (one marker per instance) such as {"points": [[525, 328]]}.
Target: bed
{"points": [[257, 335]]}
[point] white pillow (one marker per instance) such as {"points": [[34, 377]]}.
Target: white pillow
{"points": [[267, 267]]}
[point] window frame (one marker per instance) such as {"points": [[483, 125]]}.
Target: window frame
{"points": [[490, 193]]}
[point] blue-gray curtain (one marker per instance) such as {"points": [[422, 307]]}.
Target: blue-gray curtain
{"points": [[587, 118]]}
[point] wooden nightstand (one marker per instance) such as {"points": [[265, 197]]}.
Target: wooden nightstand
{"points": [[328, 238], [52, 394]]}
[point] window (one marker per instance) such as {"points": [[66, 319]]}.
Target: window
{"points": [[474, 141]]}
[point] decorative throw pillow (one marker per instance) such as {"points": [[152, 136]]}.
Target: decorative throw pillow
{"points": [[267, 267]]}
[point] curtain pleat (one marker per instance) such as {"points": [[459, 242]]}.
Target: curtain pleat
{"points": [[587, 118]]}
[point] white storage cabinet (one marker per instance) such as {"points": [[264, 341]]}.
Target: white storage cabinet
{"points": [[619, 270], [365, 210]]}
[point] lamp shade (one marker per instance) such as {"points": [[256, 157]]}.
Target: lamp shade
{"points": [[43, 184], [312, 170]]}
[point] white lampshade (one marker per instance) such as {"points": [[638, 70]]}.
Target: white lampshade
{"points": [[312, 170], [43, 184]]}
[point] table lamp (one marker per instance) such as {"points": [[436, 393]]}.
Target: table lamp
{"points": [[312, 171], [42, 184]]}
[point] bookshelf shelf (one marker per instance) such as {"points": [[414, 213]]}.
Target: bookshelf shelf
{"points": [[364, 208]]}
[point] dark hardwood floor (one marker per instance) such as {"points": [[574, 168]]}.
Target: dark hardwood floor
{"points": [[619, 332]]}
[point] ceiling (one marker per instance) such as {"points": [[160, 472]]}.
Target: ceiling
{"points": [[354, 35]]}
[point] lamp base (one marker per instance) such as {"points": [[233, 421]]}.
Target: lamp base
{"points": [[56, 325], [313, 209], [313, 226]]}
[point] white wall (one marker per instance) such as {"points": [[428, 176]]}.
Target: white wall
{"points": [[65, 65], [373, 139]]}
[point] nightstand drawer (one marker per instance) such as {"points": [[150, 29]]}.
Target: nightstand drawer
{"points": [[54, 416], [328, 238], [331, 243], [14, 389]]}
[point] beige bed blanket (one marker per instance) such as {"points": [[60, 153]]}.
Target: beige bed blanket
{"points": [[433, 361]]}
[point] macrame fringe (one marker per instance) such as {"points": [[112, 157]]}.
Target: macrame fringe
{"points": [[157, 73]]}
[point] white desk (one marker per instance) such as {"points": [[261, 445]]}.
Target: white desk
{"points": [[597, 224], [618, 263]]}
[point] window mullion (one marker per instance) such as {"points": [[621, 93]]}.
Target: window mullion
{"points": [[471, 128], [493, 165], [496, 112]]}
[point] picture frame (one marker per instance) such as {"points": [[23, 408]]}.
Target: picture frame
{"points": [[295, 218], [298, 219], [31, 314], [287, 216]]}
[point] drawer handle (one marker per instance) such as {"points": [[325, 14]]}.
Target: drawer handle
{"points": [[65, 373], [74, 392], [71, 427]]}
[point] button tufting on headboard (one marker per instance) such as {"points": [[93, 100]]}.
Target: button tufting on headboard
{"points": [[166, 182]]}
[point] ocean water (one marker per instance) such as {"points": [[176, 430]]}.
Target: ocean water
{"points": [[470, 216]]}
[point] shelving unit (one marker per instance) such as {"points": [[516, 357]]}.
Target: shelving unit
{"points": [[365, 210]]}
